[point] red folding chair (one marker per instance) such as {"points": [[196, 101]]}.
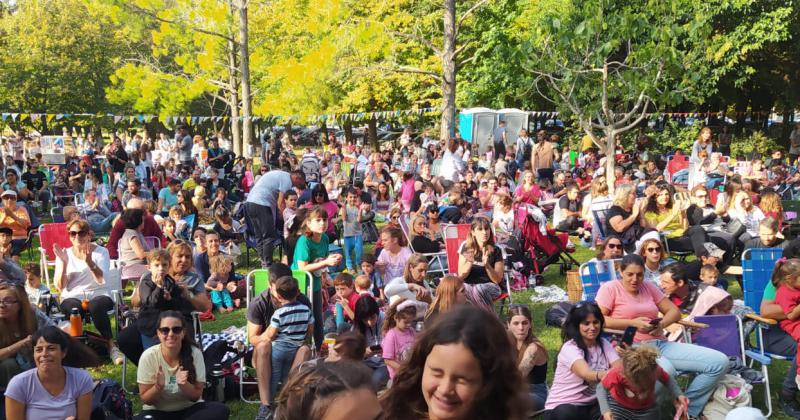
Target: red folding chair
{"points": [[51, 234]]}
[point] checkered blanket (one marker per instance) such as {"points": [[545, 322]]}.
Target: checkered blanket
{"points": [[229, 335]]}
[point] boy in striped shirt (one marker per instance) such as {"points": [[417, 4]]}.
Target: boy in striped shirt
{"points": [[288, 329]]}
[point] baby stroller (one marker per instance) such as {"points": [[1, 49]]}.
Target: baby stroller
{"points": [[543, 244]]}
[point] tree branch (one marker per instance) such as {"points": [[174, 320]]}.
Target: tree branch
{"points": [[467, 14], [154, 15], [414, 70], [420, 39]]}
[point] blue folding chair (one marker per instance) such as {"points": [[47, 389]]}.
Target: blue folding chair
{"points": [[757, 267], [594, 273]]}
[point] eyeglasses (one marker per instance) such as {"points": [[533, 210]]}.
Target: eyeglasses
{"points": [[74, 233], [166, 330], [656, 249], [9, 198], [614, 246], [8, 302]]}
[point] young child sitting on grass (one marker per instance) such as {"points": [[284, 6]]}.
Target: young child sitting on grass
{"points": [[627, 392], [33, 285], [220, 266], [368, 269]]}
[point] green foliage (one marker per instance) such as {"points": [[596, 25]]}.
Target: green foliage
{"points": [[57, 56], [757, 141], [673, 137]]}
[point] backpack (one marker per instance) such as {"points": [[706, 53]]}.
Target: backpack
{"points": [[527, 149], [310, 167], [109, 402], [557, 314]]}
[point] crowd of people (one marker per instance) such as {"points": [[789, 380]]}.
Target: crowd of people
{"points": [[175, 213]]}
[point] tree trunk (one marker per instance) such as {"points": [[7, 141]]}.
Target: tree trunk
{"points": [[348, 133], [244, 61], [233, 101], [449, 71], [372, 134], [611, 146]]}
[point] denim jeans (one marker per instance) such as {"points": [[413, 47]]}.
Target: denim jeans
{"points": [[148, 342], [100, 224], [356, 245], [282, 357], [709, 365], [777, 341]]}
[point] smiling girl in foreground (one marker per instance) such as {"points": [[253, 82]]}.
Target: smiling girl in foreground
{"points": [[461, 368]]}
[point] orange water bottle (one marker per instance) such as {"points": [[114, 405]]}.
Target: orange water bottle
{"points": [[75, 323]]}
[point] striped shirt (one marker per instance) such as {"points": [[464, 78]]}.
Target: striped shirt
{"points": [[292, 321]]}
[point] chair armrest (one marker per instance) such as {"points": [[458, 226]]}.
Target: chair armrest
{"points": [[692, 324], [762, 319]]}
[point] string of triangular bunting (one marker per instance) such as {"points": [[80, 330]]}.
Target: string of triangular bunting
{"points": [[283, 119]]}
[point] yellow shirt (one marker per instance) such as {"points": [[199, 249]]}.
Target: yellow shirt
{"points": [[674, 228]]}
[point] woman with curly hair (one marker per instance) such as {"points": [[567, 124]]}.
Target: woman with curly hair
{"points": [[462, 367]]}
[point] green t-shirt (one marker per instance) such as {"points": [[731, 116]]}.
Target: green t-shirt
{"points": [[310, 251], [769, 292]]}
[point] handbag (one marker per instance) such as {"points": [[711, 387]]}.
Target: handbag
{"points": [[732, 392], [735, 228]]}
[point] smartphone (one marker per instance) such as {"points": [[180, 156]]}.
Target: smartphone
{"points": [[655, 321], [376, 348], [627, 337]]}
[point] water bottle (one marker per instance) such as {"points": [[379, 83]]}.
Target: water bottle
{"points": [[219, 383], [339, 314], [75, 323]]}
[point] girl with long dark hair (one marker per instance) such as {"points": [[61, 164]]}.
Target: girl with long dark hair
{"points": [[584, 359], [172, 375], [531, 354]]}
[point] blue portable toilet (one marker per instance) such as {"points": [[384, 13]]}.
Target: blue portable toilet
{"points": [[516, 119], [476, 126]]}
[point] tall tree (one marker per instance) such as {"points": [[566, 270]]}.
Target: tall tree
{"points": [[609, 63]]}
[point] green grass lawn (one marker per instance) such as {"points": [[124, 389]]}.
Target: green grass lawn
{"points": [[550, 336]]}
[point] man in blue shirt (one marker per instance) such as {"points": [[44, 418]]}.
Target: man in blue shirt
{"points": [[264, 205]]}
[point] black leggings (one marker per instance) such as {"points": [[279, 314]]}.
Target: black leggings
{"points": [[98, 308], [207, 410], [691, 241], [573, 412]]}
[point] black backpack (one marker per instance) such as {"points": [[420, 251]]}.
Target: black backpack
{"points": [[527, 150], [557, 314], [109, 402]]}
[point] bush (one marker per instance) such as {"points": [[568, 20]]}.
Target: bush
{"points": [[757, 141]]}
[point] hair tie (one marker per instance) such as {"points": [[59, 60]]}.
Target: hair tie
{"points": [[781, 260]]}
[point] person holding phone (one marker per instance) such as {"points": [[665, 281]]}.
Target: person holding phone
{"points": [[668, 217], [634, 302], [623, 217]]}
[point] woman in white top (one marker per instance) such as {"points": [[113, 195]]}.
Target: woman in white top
{"points": [[80, 277], [452, 166], [745, 212], [132, 246], [165, 148]]}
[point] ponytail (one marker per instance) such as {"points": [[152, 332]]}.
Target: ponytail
{"points": [[785, 268]]}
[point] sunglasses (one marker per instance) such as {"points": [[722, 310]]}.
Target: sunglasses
{"points": [[656, 249], [74, 233], [166, 330], [614, 246]]}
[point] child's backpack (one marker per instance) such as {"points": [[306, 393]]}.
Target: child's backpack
{"points": [[109, 402]]}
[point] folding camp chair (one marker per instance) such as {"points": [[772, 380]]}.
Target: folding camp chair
{"points": [[594, 273], [51, 234], [257, 281], [454, 237], [432, 256], [757, 266], [726, 334], [152, 242]]}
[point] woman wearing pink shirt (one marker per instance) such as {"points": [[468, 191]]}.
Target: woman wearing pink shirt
{"points": [[633, 302], [583, 361]]}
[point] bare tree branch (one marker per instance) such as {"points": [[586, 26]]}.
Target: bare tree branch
{"points": [[414, 70], [466, 14]]}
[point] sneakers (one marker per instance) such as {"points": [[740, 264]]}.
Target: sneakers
{"points": [[789, 405], [264, 413], [116, 355]]}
